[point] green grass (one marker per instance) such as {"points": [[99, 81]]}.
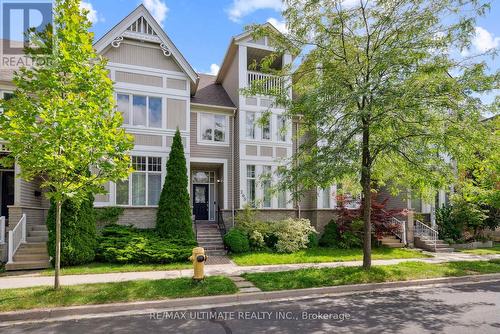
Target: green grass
{"points": [[89, 294], [104, 268], [309, 278], [317, 255], [484, 251]]}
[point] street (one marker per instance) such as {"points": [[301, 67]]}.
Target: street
{"points": [[467, 308]]}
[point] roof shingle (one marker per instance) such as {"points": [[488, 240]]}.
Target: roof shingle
{"points": [[211, 93]]}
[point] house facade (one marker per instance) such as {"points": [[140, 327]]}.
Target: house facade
{"points": [[227, 149]]}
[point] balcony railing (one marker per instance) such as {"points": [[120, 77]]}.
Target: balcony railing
{"points": [[267, 83]]}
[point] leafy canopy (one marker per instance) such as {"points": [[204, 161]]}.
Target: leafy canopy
{"points": [[61, 122]]}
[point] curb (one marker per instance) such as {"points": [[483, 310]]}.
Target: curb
{"points": [[53, 314]]}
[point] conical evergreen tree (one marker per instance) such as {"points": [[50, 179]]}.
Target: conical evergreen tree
{"points": [[173, 219]]}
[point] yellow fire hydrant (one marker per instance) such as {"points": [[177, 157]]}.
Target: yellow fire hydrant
{"points": [[198, 258]]}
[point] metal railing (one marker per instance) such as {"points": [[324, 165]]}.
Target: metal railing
{"points": [[17, 236], [426, 232], [220, 222], [268, 83], [400, 230], [2, 230]]}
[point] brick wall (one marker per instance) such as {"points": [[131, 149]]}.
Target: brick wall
{"points": [[138, 217]]}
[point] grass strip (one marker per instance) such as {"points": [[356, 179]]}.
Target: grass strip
{"points": [[317, 255], [310, 278], [101, 293], [106, 268], [484, 251]]}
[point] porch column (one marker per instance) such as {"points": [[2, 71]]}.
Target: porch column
{"points": [[410, 236]]}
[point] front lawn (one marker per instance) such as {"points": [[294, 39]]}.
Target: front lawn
{"points": [[90, 294], [319, 254], [484, 251], [309, 278], [106, 268]]}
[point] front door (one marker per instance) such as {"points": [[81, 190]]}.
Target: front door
{"points": [[200, 201], [7, 192]]}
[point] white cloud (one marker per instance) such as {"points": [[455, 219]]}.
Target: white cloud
{"points": [[92, 13], [241, 8], [158, 9], [280, 25], [214, 69], [484, 40]]}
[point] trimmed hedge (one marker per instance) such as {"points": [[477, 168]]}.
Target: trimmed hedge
{"points": [[127, 244], [237, 241], [78, 232]]}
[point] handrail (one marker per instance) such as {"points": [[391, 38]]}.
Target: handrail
{"points": [[2, 230], [425, 231], [220, 222], [268, 82], [17, 236], [401, 231]]}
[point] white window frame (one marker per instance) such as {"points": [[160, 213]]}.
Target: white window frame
{"points": [[256, 188], [147, 172], [254, 125], [332, 194], [130, 123], [262, 188], [270, 126], [212, 141], [279, 134], [2, 96]]}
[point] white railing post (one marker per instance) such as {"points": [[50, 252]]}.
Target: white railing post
{"points": [[11, 247], [2, 230], [23, 221]]}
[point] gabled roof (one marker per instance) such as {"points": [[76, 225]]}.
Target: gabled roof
{"points": [[159, 36], [231, 51], [211, 93]]}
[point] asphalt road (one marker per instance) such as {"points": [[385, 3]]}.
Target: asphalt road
{"points": [[472, 308]]}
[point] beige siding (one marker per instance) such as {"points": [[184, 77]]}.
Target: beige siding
{"points": [[266, 151], [213, 151], [139, 79], [148, 140], [176, 114], [28, 197], [148, 56], [231, 81], [281, 152], [251, 150], [176, 84]]}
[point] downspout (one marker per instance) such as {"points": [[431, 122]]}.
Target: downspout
{"points": [[232, 168]]}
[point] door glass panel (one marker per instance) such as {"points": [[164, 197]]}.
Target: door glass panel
{"points": [[200, 195]]}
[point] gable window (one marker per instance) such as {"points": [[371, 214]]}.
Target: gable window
{"points": [[143, 187], [250, 125], [138, 110], [213, 128], [282, 130]]}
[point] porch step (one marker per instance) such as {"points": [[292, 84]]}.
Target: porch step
{"points": [[27, 265], [38, 233], [36, 227], [37, 239], [391, 242], [440, 246]]}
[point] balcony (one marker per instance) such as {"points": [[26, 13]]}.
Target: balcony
{"points": [[267, 83]]}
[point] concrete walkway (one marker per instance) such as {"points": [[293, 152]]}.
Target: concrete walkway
{"points": [[24, 281]]}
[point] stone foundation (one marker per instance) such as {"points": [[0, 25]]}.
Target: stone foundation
{"points": [[138, 217]]}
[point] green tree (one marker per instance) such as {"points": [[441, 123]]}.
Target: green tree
{"points": [[78, 231], [61, 122], [375, 96], [173, 219]]}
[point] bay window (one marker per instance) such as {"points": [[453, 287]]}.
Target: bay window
{"points": [[143, 187], [213, 128]]}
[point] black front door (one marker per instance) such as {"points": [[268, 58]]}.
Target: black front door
{"points": [[200, 201], [7, 182]]}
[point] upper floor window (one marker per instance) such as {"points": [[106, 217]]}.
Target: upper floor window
{"points": [[250, 125], [266, 129], [140, 110], [213, 128], [282, 128]]}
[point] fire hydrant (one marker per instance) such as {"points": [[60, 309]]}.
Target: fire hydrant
{"points": [[198, 258]]}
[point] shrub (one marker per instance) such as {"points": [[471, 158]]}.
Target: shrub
{"points": [[292, 234], [256, 240], [330, 236], [469, 215], [126, 244], [108, 215], [173, 218], [448, 227], [313, 240], [237, 241], [78, 232]]}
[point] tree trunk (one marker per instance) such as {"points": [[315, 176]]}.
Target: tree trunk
{"points": [[367, 195], [58, 246]]}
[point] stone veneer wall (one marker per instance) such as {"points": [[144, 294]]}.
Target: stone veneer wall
{"points": [[33, 215], [138, 217]]}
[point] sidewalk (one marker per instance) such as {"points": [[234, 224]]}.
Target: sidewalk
{"points": [[24, 281]]}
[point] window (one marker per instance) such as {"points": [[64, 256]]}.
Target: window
{"points": [[144, 185], [282, 130], [266, 186], [250, 125], [326, 198], [213, 128], [140, 110], [251, 184], [5, 96], [282, 200], [266, 129]]}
